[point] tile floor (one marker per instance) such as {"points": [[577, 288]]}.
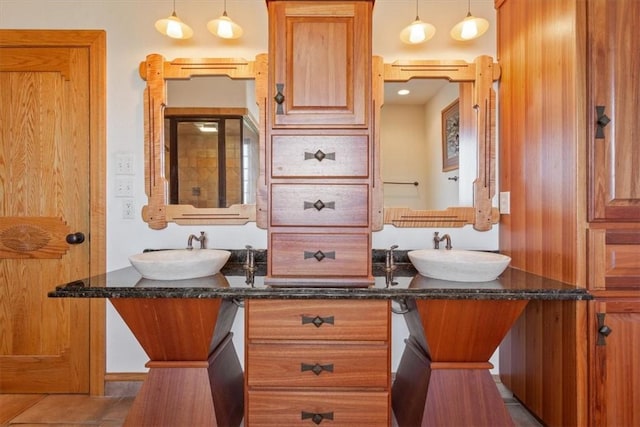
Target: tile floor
{"points": [[110, 411]]}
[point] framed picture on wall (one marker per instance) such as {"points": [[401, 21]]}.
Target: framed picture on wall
{"points": [[450, 136]]}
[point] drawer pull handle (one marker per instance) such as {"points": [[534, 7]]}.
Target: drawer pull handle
{"points": [[319, 255], [317, 321], [601, 122], [319, 156], [316, 417], [279, 98], [317, 368], [603, 330], [319, 205]]}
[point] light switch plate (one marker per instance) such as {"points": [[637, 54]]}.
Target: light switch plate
{"points": [[505, 202], [124, 163], [128, 209], [124, 186]]}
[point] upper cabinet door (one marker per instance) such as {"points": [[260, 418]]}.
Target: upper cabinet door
{"points": [[614, 94], [320, 63]]}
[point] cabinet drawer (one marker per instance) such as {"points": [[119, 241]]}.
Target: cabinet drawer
{"points": [[315, 156], [318, 320], [319, 255], [269, 408], [614, 259], [320, 205], [313, 365]]}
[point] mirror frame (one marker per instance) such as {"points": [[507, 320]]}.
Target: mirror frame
{"points": [[156, 71], [481, 73]]}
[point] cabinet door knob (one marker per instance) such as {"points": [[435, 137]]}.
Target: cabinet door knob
{"points": [[75, 238]]}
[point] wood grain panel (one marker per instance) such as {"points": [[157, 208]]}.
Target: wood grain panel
{"points": [[340, 365], [614, 181], [616, 374], [54, 107], [352, 320], [344, 409], [343, 255], [338, 156], [33, 237], [312, 52], [316, 205], [159, 325], [542, 165]]}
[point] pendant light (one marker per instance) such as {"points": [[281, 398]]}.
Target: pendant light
{"points": [[470, 27], [224, 27], [417, 32], [173, 26]]}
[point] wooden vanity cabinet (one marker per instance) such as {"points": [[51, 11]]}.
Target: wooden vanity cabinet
{"points": [[320, 53], [613, 92], [585, 193], [314, 360], [309, 361], [614, 330], [613, 95], [320, 142]]}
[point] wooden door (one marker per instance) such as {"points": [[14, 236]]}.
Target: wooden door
{"points": [[47, 128], [614, 181], [615, 331], [321, 74]]}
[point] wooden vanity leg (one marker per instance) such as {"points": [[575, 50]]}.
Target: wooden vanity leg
{"points": [[443, 378], [427, 393], [199, 393], [195, 377]]}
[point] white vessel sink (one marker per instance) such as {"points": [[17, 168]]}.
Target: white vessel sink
{"points": [[459, 265], [179, 264]]}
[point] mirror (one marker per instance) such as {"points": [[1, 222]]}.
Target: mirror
{"points": [[476, 106], [471, 84], [183, 96]]}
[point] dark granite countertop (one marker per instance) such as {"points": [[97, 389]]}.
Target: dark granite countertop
{"points": [[127, 283]]}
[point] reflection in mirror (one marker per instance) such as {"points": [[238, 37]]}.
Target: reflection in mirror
{"points": [[476, 98], [210, 156], [412, 123], [209, 184]]}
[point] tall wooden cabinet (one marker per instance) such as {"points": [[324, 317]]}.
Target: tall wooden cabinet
{"points": [[314, 361], [569, 133], [319, 142]]}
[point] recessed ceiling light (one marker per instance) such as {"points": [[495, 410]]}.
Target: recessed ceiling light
{"points": [[403, 92], [207, 127]]}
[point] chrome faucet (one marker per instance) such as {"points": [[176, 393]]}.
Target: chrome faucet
{"points": [[249, 266], [437, 239], [200, 239], [389, 266]]}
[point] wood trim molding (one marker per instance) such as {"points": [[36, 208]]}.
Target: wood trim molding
{"points": [[156, 71]]}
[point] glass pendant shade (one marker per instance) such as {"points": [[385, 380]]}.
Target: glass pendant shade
{"points": [[174, 27], [224, 27], [470, 27], [417, 32]]}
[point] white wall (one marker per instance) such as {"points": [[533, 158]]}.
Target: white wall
{"points": [[131, 36]]}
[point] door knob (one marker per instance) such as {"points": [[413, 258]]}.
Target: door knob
{"points": [[75, 238]]}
